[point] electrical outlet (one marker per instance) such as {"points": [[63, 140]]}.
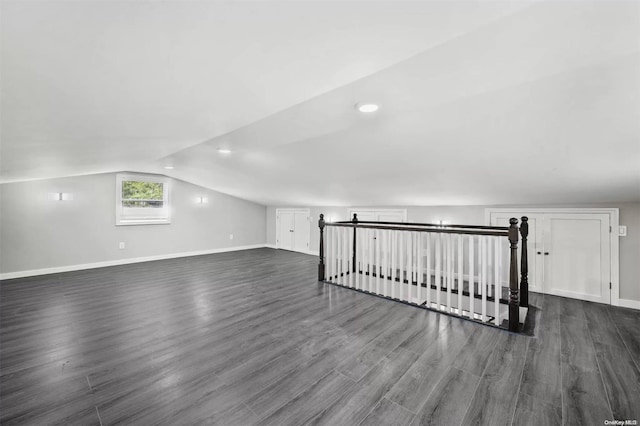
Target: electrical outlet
{"points": [[231, 236], [121, 246]]}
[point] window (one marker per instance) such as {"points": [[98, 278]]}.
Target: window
{"points": [[142, 200]]}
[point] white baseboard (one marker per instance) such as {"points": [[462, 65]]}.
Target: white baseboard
{"points": [[273, 246], [628, 303], [69, 268]]}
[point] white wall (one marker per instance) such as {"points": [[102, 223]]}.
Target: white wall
{"points": [[38, 233], [475, 215]]}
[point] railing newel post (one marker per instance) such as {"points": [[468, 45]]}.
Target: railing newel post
{"points": [[355, 223], [321, 268], [514, 309], [524, 264]]}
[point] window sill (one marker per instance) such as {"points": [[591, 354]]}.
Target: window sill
{"points": [[130, 222]]}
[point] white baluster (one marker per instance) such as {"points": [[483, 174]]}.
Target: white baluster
{"points": [[385, 262], [472, 290], [327, 251], [420, 268], [460, 286], [449, 269], [489, 264], [414, 296], [496, 278], [359, 263], [400, 263], [342, 268], [438, 263], [350, 256], [409, 251], [347, 258], [365, 259], [428, 269], [370, 261], [343, 253], [412, 249], [378, 268], [331, 253], [339, 255], [414, 268], [483, 278], [362, 247], [334, 254], [394, 256]]}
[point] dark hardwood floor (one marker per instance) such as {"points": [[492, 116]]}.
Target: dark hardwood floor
{"points": [[251, 337]]}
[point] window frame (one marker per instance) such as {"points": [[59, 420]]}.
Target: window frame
{"points": [[126, 216]]}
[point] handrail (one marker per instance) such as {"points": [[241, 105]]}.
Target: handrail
{"points": [[470, 231], [432, 225]]}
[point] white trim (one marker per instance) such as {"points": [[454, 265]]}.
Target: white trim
{"points": [[80, 267], [628, 303], [614, 237], [353, 210], [293, 210]]}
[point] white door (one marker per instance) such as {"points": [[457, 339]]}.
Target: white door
{"points": [[293, 229], [576, 256], [301, 231], [285, 230], [569, 253]]}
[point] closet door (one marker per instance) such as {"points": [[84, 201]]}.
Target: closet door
{"points": [[576, 256], [285, 230], [301, 231]]}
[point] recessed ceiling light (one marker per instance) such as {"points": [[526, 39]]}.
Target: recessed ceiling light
{"points": [[168, 167], [224, 151], [367, 107]]}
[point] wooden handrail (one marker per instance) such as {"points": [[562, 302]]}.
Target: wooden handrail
{"points": [[500, 232], [430, 225]]}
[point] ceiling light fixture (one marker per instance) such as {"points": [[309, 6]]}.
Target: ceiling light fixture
{"points": [[224, 151], [168, 167], [367, 107]]}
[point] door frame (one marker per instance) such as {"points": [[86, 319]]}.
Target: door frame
{"points": [[292, 210], [352, 210], [614, 238]]}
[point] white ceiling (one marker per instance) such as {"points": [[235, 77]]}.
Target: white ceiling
{"points": [[482, 102]]}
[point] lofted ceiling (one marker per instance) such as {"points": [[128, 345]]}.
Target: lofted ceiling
{"points": [[481, 102]]}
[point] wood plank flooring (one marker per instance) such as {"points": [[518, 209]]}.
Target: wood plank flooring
{"points": [[251, 337]]}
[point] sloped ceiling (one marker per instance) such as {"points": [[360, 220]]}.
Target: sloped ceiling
{"points": [[481, 102]]}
